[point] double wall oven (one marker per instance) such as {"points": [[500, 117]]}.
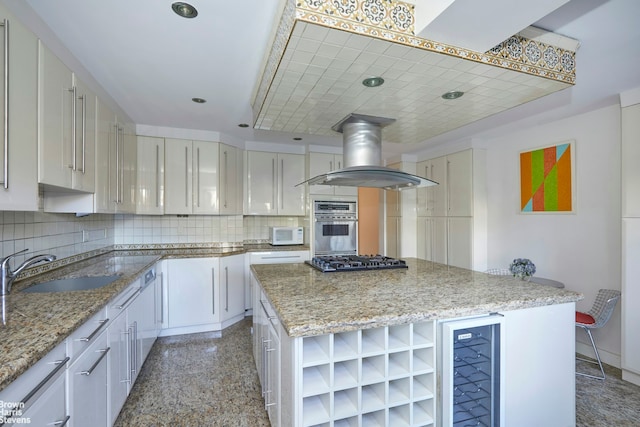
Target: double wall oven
{"points": [[335, 227]]}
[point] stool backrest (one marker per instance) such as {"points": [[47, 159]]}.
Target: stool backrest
{"points": [[603, 306]]}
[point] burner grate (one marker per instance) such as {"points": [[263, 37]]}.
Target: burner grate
{"points": [[333, 263]]}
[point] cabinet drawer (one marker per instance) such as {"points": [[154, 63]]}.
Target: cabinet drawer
{"points": [[86, 334], [29, 386], [122, 301]]}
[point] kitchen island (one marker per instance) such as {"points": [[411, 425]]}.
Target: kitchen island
{"points": [[361, 348]]}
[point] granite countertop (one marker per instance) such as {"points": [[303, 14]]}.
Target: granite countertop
{"points": [[32, 324], [309, 302]]}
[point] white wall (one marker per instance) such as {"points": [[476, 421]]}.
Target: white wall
{"points": [[582, 249]]}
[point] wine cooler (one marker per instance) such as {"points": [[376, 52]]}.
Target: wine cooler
{"points": [[471, 366]]}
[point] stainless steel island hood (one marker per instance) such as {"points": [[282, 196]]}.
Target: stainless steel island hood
{"points": [[362, 151]]}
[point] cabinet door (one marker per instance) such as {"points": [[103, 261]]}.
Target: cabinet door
{"points": [[630, 155], [88, 386], [261, 185], [119, 365], [177, 176], [193, 292], [436, 194], [231, 286], [105, 161], [85, 138], [459, 244], [230, 186], [50, 409], [459, 184], [320, 163], [205, 177], [150, 176], [55, 103], [18, 179], [291, 172], [141, 316], [127, 174]]}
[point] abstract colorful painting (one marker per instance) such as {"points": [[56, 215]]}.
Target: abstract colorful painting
{"points": [[546, 179]]}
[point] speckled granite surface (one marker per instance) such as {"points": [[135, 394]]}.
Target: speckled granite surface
{"points": [[32, 324], [310, 302]]}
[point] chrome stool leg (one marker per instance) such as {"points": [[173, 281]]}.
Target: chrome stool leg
{"points": [[599, 362]]}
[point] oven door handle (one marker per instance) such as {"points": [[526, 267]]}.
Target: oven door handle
{"points": [[335, 221]]}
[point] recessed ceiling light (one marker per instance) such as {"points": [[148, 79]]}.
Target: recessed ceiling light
{"points": [[184, 9], [297, 138], [373, 81], [243, 125], [199, 100], [454, 94]]}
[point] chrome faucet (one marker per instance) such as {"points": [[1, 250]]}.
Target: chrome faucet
{"points": [[8, 275]]}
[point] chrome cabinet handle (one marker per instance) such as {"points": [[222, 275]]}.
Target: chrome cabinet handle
{"points": [[198, 175], [5, 178], [161, 298], [224, 177], [73, 165], [132, 349], [122, 166], [36, 389], [104, 352], [186, 176], [448, 187], [127, 334], [64, 422], [213, 291], [135, 347], [226, 274], [157, 175], [84, 130], [273, 182], [266, 312], [124, 304], [93, 334], [282, 183], [117, 137]]}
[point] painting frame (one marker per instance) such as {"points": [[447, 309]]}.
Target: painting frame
{"points": [[547, 178]]}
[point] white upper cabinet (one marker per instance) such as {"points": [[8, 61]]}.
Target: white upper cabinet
{"points": [[177, 176], [206, 164], [66, 131], [320, 163], [453, 194], [271, 184], [230, 188], [18, 171], [202, 177], [105, 159], [150, 176], [128, 163], [630, 156]]}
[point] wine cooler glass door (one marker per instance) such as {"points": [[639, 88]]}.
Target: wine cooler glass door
{"points": [[472, 360]]}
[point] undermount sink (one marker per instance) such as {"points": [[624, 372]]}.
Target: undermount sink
{"points": [[72, 284]]}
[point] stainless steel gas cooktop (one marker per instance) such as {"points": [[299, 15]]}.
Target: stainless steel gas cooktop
{"points": [[331, 263]]}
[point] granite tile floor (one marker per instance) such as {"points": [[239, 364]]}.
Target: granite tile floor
{"points": [[209, 380]]}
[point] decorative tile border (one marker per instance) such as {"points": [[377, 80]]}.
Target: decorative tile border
{"points": [[151, 246], [393, 20]]}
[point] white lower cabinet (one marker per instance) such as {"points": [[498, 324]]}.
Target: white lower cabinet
{"points": [[39, 394], [119, 362], [231, 289], [193, 295], [88, 385]]}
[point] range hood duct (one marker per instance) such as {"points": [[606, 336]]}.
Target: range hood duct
{"points": [[362, 156]]}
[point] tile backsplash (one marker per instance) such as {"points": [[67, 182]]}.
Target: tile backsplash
{"points": [[62, 235], [66, 235]]}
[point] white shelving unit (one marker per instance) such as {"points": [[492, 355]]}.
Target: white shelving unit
{"points": [[372, 377]]}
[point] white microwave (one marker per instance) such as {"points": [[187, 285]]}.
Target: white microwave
{"points": [[286, 235]]}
